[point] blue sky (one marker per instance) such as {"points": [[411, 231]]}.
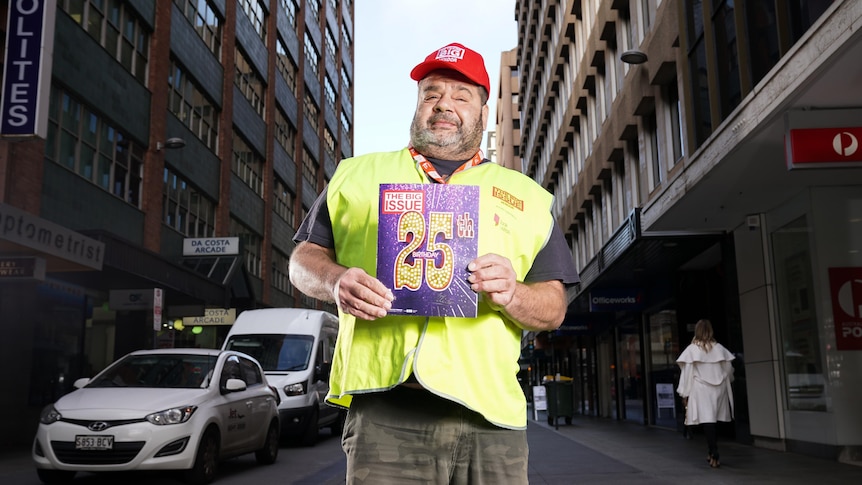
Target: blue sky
{"points": [[392, 36]]}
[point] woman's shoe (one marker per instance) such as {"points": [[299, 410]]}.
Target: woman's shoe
{"points": [[713, 462]]}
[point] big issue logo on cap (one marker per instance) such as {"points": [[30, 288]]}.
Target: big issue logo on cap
{"points": [[458, 58]]}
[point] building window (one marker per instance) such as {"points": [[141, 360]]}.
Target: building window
{"points": [[84, 142], [345, 84], [247, 165], [250, 84], [310, 167], [651, 145], [674, 106], [345, 124], [311, 110], [285, 65], [311, 54], [280, 279], [205, 21], [314, 5], [116, 27], [186, 209], [346, 42], [284, 199], [698, 71], [329, 91], [331, 44], [285, 133], [329, 142], [724, 31], [187, 101], [290, 9], [256, 13], [250, 242]]}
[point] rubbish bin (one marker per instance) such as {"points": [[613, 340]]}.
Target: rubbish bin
{"points": [[560, 399]]}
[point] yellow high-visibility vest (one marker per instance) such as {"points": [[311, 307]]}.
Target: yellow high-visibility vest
{"points": [[472, 361]]}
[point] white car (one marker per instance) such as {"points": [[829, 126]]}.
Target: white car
{"points": [[165, 409]]}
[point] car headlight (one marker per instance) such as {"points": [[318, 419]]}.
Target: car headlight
{"points": [[297, 389], [172, 416], [49, 415]]}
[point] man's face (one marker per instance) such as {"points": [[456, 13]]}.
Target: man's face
{"points": [[450, 117]]}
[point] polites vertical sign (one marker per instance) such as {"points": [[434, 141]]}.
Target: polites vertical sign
{"points": [[27, 74]]}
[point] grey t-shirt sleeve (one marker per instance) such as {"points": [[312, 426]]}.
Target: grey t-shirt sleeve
{"points": [[317, 227]]}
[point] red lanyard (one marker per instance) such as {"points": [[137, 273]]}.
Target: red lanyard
{"points": [[432, 172]]}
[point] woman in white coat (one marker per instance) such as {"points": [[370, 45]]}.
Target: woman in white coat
{"points": [[704, 385]]}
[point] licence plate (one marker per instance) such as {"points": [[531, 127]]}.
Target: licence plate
{"points": [[83, 442]]}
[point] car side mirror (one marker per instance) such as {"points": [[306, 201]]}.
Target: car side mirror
{"points": [[79, 383], [234, 385]]}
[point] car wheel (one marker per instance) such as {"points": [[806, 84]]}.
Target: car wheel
{"points": [[55, 476], [206, 459], [269, 452], [309, 435]]}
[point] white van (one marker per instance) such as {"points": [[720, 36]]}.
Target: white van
{"points": [[295, 347]]}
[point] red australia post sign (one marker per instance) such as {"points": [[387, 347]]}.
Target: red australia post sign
{"points": [[427, 235], [845, 285]]}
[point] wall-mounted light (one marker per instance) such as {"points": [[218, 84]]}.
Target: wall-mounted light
{"points": [[170, 143], [633, 57]]}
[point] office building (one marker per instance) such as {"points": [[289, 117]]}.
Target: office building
{"points": [[704, 159], [174, 149]]}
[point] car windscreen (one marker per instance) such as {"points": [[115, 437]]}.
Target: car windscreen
{"points": [[279, 353], [158, 371]]}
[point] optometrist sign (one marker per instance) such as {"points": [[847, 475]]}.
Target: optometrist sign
{"points": [[845, 288], [27, 74], [824, 148]]}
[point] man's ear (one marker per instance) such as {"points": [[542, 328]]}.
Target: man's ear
{"points": [[485, 111]]}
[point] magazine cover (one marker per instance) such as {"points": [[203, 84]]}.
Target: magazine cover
{"points": [[426, 236]]}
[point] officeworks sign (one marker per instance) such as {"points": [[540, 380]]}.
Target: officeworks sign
{"points": [[211, 246], [616, 300]]}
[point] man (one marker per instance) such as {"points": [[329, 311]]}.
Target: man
{"points": [[435, 399]]}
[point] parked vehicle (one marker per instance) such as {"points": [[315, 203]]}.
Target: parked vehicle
{"points": [[294, 346], [165, 409]]}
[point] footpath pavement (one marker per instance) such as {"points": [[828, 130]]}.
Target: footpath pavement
{"points": [[602, 451]]}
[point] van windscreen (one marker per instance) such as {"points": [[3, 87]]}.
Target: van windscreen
{"points": [[278, 353]]}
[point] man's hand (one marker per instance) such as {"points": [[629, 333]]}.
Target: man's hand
{"points": [[361, 295], [314, 271], [494, 276], [533, 306]]}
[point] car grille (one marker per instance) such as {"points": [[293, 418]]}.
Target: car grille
{"points": [[123, 452]]}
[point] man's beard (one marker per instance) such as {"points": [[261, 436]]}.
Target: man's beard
{"points": [[450, 146]]}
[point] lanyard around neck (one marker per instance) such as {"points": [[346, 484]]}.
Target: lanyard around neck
{"points": [[432, 172]]}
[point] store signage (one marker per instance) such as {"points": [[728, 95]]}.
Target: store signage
{"points": [[35, 233], [210, 246], [22, 269], [143, 299], [212, 316], [824, 147], [27, 74], [845, 288], [616, 300], [158, 305]]}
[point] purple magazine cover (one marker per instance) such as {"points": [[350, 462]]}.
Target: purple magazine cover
{"points": [[426, 237]]}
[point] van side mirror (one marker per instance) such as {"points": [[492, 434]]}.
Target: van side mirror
{"points": [[322, 371]]}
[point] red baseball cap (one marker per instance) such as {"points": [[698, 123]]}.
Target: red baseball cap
{"points": [[457, 58]]}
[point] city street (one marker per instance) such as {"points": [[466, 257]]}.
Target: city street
{"points": [[322, 464]]}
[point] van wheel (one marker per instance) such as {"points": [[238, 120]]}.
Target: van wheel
{"points": [[309, 435]]}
